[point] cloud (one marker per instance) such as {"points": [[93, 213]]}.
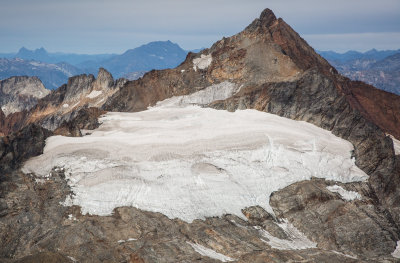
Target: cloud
{"points": [[360, 41], [192, 24]]}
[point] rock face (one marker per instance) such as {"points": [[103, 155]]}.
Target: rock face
{"points": [[63, 104], [276, 72], [20, 93], [18, 147]]}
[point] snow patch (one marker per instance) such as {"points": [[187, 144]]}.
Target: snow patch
{"points": [[73, 259], [71, 217], [296, 240], [396, 252], [94, 94], [202, 62], [205, 96], [396, 145], [342, 254], [346, 195], [210, 253], [129, 239]]}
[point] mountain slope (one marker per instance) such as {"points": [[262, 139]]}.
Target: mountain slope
{"points": [[149, 176]]}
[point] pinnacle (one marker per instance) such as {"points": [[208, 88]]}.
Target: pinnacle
{"points": [[267, 17]]}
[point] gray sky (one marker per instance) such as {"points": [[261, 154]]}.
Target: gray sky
{"points": [[113, 26]]}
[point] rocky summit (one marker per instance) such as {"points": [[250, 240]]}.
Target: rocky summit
{"points": [[253, 150], [20, 93]]}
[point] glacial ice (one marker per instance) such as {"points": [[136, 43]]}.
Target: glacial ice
{"points": [[191, 162]]}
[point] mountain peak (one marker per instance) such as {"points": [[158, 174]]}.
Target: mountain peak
{"points": [[267, 17]]}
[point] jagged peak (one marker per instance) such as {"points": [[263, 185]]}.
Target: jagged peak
{"points": [[267, 17], [103, 76]]}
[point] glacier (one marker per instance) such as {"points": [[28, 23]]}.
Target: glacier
{"points": [[190, 162]]}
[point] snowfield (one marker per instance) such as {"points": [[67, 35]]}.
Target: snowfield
{"points": [[191, 162]]}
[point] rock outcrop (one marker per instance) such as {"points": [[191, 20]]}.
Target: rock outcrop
{"points": [[64, 103], [18, 147], [20, 93]]}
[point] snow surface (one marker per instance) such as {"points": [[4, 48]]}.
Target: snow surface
{"points": [[205, 96], [94, 94], [202, 62], [73, 259], [296, 239], [191, 162], [210, 253], [346, 195], [129, 239], [396, 145], [396, 252]]}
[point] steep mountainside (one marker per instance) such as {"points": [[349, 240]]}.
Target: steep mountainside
{"points": [[20, 93], [254, 150], [52, 75]]}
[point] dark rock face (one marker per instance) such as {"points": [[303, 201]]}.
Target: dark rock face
{"points": [[86, 118], [359, 227], [18, 147], [32, 215]]}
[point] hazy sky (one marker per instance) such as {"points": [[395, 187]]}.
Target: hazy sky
{"points": [[113, 26]]}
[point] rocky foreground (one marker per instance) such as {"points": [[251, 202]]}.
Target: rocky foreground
{"points": [[275, 71]]}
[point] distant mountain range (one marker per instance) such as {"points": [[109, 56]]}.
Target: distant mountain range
{"points": [[54, 69], [378, 68], [372, 54], [52, 75]]}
